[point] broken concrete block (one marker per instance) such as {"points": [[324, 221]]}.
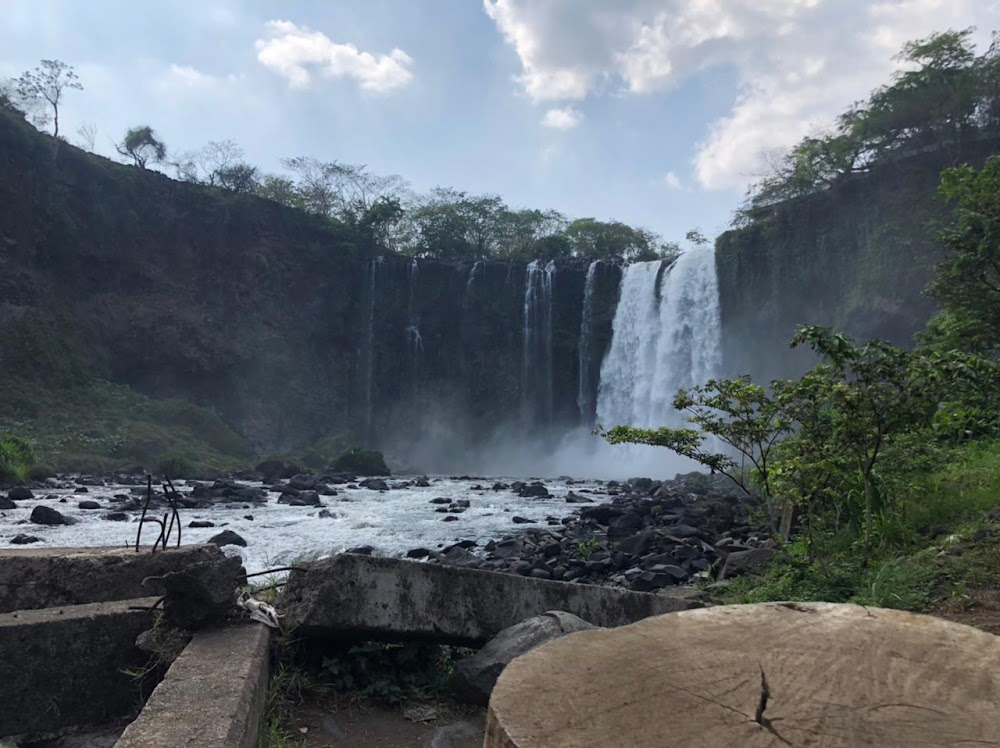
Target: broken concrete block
{"points": [[200, 593], [33, 578], [211, 697], [64, 666], [363, 596]]}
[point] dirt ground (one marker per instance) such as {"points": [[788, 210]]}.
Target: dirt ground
{"points": [[359, 725]]}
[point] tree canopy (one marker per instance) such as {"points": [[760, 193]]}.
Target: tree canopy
{"points": [[942, 95]]}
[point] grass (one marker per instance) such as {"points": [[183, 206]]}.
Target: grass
{"points": [[98, 425], [944, 557]]}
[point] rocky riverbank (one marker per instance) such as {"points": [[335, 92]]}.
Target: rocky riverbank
{"points": [[642, 534]]}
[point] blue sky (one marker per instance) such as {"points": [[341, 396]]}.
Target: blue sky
{"points": [[654, 112]]}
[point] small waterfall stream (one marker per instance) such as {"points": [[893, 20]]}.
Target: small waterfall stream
{"points": [[414, 343], [368, 350], [583, 398], [536, 368]]}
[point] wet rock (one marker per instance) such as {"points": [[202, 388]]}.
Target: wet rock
{"points": [[361, 550], [20, 493], [43, 515], [200, 523], [6, 503], [450, 518], [575, 498], [81, 489], [418, 553], [89, 505], [22, 539], [532, 490], [422, 483], [276, 468], [522, 520], [440, 500], [116, 517], [326, 514], [228, 537], [374, 484]]}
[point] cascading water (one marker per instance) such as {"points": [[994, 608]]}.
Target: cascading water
{"points": [[666, 336], [368, 349], [414, 343], [471, 283], [536, 369], [583, 398]]}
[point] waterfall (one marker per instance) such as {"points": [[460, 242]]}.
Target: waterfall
{"points": [[536, 362], [583, 397], [414, 343], [470, 284], [368, 351], [665, 337]]}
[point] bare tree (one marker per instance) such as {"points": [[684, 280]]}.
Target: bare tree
{"points": [[88, 136], [45, 84]]}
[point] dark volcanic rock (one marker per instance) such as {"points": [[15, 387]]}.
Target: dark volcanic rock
{"points": [[522, 520], [7, 503], [742, 562], [374, 484], [43, 515], [89, 505], [116, 517], [227, 537], [197, 523], [20, 493], [277, 468], [22, 539]]}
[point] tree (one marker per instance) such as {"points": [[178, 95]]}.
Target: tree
{"points": [[237, 177], [597, 240], [279, 189], [141, 144], [88, 134], [47, 83], [338, 190], [967, 281]]}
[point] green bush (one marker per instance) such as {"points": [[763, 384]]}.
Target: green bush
{"points": [[16, 459], [173, 466], [361, 462]]}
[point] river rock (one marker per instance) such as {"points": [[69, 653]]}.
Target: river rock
{"points": [[475, 676], [116, 517], [199, 523], [43, 515], [374, 484], [22, 539], [20, 493], [89, 505], [6, 503], [228, 537]]}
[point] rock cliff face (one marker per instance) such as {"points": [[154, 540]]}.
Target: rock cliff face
{"points": [[856, 257], [275, 319]]}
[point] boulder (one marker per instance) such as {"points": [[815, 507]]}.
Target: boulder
{"points": [[227, 537], [7, 504], [116, 517], [43, 515], [89, 505], [275, 468], [22, 539], [742, 562], [374, 484], [199, 523], [476, 675], [20, 493]]}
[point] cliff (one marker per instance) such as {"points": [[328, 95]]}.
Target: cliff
{"points": [[855, 257], [281, 323]]}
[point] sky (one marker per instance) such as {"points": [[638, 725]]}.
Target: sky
{"points": [[654, 112]]}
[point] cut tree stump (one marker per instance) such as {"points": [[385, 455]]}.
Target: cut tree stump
{"points": [[775, 674]]}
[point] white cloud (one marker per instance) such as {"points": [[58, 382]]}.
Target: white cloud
{"points": [[673, 181], [562, 119], [291, 51], [798, 62]]}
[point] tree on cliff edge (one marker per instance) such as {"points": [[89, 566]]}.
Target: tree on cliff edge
{"points": [[44, 87], [141, 145]]}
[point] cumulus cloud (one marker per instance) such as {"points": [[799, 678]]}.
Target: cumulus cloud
{"points": [[562, 119], [294, 51], [798, 62]]}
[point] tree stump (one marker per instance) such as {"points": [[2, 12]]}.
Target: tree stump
{"points": [[775, 674]]}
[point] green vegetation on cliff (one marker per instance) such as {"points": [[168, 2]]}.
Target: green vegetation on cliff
{"points": [[98, 425]]}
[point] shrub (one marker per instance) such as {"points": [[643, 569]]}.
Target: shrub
{"points": [[16, 459], [361, 462], [174, 466]]}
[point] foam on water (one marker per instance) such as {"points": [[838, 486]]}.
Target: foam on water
{"points": [[392, 521]]}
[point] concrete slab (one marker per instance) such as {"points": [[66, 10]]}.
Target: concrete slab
{"points": [[354, 595], [211, 697], [46, 577], [62, 667]]}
